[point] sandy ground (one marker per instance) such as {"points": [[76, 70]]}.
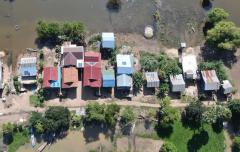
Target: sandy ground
{"points": [[73, 142]]}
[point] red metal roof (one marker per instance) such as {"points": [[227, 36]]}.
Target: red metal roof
{"points": [[92, 76], [69, 77], [49, 74]]}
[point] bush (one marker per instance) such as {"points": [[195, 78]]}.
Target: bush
{"points": [[161, 63], [41, 66], [16, 84], [35, 101], [94, 39], [163, 89], [127, 115], [236, 144], [137, 81], [168, 147], [56, 32], [217, 14], [224, 36]]}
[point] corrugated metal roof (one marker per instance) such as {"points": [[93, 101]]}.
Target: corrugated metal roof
{"points": [[108, 40], [72, 54], [52, 77], [177, 79], [152, 79], [189, 65], [69, 77], [92, 69], [28, 70], [125, 64], [108, 74], [28, 60], [209, 76], [124, 80]]}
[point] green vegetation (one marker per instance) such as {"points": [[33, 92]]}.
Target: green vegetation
{"points": [[234, 106], [163, 89], [161, 63], [41, 66], [111, 114], [56, 32], [34, 100], [217, 14], [19, 139], [94, 39], [16, 84], [217, 115], [186, 139], [236, 144], [37, 100], [168, 147], [137, 81], [55, 119], [127, 115], [167, 115], [193, 114], [217, 66], [224, 35], [97, 113]]}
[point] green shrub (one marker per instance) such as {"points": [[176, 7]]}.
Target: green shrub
{"points": [[236, 144], [168, 147]]}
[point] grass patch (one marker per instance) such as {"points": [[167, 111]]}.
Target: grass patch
{"points": [[185, 139], [19, 139], [35, 101]]}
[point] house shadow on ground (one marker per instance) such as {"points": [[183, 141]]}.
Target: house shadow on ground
{"points": [[92, 132]]}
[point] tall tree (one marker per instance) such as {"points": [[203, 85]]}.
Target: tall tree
{"points": [[167, 114], [193, 114], [111, 114], [217, 14], [225, 35], [95, 113], [58, 118], [127, 115], [217, 114], [234, 106]]}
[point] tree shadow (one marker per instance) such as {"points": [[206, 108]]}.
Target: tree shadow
{"points": [[207, 5], [164, 132], [92, 131], [7, 138], [217, 127], [114, 6], [197, 141], [210, 53], [207, 26], [193, 125]]}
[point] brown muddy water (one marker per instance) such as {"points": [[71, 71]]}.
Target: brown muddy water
{"points": [[179, 18]]}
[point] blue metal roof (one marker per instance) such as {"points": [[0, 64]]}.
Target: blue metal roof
{"points": [[57, 84], [124, 80], [28, 70], [108, 40], [108, 77]]}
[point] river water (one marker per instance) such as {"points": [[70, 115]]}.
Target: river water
{"points": [[133, 16]]}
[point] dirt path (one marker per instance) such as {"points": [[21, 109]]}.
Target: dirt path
{"points": [[228, 141]]}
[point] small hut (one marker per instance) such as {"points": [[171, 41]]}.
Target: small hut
{"points": [[177, 83], [152, 79], [210, 80], [189, 66], [227, 87], [108, 41]]}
